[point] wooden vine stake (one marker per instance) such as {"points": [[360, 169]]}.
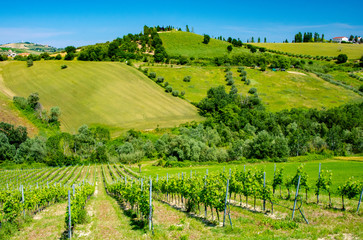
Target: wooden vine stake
{"points": [[225, 206], [69, 216], [360, 199], [264, 187], [297, 193], [150, 206], [317, 194]]}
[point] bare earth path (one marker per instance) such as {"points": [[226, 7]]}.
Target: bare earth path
{"points": [[107, 220], [48, 224]]}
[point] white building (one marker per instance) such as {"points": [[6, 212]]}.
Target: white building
{"points": [[340, 39], [11, 53]]}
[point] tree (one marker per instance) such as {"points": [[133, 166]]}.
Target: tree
{"points": [[252, 91], [259, 40], [70, 56], [33, 100], [229, 48], [351, 38], [187, 28], [70, 49], [264, 40], [54, 114], [58, 57], [206, 39], [342, 58], [252, 40], [29, 62]]}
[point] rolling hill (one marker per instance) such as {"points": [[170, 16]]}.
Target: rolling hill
{"points": [[278, 90], [99, 93], [353, 51], [190, 45]]}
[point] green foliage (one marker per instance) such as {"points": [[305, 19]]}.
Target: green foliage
{"points": [[187, 78], [168, 89], [252, 91], [175, 93], [29, 62], [58, 57], [64, 66], [206, 39], [70, 49], [342, 58]]}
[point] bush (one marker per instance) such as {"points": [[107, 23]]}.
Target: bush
{"points": [[58, 57], [252, 90], [240, 69], [20, 102], [168, 89], [69, 56], [64, 66], [182, 93], [361, 88], [206, 39], [160, 79], [342, 58], [29, 62], [175, 93], [152, 75], [187, 78]]}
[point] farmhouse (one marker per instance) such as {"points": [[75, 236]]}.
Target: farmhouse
{"points": [[24, 54], [340, 39], [11, 53]]}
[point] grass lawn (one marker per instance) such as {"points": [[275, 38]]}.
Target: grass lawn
{"points": [[94, 93], [353, 51], [190, 45], [278, 90]]}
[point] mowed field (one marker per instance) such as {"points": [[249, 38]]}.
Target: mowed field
{"points": [[191, 45], [278, 90], [353, 51], [95, 93]]}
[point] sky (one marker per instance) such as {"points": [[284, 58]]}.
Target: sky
{"points": [[79, 23]]}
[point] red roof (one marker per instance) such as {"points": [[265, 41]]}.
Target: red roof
{"points": [[339, 37]]}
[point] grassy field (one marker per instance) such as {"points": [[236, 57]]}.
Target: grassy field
{"points": [[190, 45], [278, 90], [353, 51], [93, 93], [342, 169], [345, 78]]}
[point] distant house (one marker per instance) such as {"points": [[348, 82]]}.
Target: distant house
{"points": [[11, 53], [340, 39], [24, 54]]}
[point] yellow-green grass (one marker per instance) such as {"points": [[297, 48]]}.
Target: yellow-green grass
{"points": [[353, 51], [99, 93], [278, 90], [345, 78], [190, 45]]}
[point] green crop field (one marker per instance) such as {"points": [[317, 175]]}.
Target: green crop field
{"points": [[278, 90], [190, 45], [353, 51], [111, 94]]}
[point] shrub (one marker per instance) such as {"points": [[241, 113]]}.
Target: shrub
{"points": [[29, 62], [361, 88], [58, 57], [168, 89], [20, 102], [247, 82], [252, 91], [160, 79], [152, 75], [230, 81], [187, 78], [64, 66], [182, 93], [342, 58], [175, 93]]}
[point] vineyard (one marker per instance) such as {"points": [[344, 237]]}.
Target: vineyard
{"points": [[113, 201]]}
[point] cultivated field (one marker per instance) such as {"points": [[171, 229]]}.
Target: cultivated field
{"points": [[278, 90], [111, 94], [112, 214], [190, 45], [353, 51]]}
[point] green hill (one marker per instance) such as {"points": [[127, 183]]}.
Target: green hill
{"points": [[278, 90], [353, 51], [94, 93], [190, 45]]}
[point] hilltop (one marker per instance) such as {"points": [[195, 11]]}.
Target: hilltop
{"points": [[189, 44], [353, 51]]}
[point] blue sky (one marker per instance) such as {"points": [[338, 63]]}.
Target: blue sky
{"points": [[64, 23]]}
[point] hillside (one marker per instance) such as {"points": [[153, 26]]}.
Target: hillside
{"points": [[190, 45], [29, 47], [99, 93], [353, 51], [278, 90]]}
